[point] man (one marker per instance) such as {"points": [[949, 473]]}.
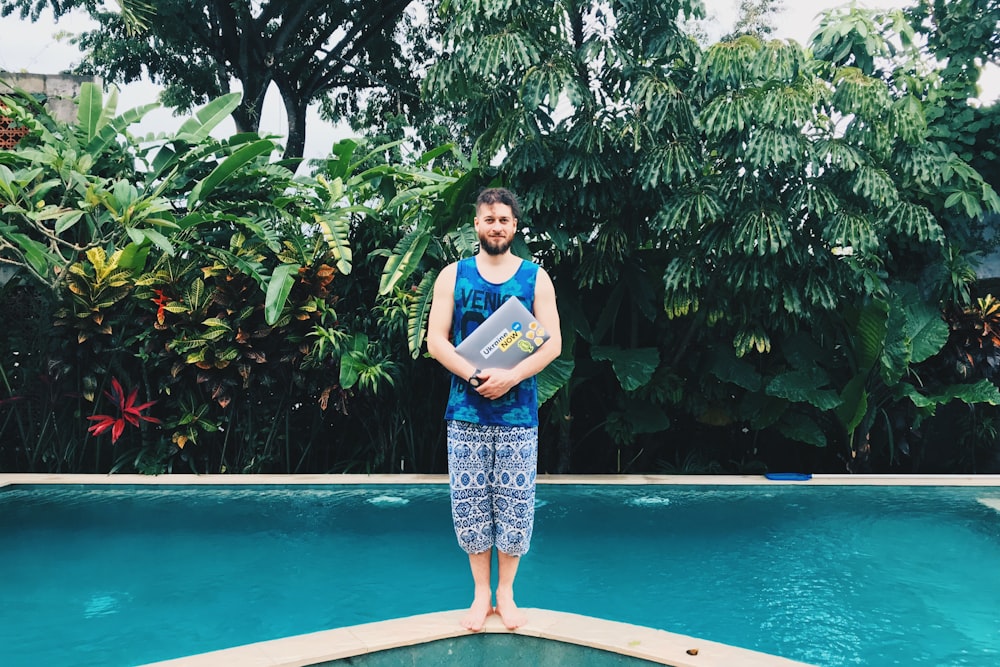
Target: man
{"points": [[492, 413]]}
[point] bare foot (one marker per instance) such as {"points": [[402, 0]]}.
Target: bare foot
{"points": [[512, 617], [475, 618]]}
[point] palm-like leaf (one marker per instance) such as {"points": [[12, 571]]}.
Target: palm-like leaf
{"points": [[417, 312], [336, 231], [404, 260]]}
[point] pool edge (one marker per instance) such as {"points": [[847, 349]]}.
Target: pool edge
{"points": [[11, 479], [650, 644]]}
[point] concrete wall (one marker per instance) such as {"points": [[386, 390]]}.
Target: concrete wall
{"points": [[60, 90]]}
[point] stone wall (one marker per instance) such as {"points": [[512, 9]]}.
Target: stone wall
{"points": [[59, 91]]}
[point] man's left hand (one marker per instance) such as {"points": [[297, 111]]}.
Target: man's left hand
{"points": [[496, 382]]}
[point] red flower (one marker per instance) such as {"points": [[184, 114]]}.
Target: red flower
{"points": [[128, 412], [161, 301]]}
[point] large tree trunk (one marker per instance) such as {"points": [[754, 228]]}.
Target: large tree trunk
{"points": [[247, 114], [295, 109]]}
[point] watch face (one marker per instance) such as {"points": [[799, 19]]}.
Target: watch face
{"points": [[474, 381]]}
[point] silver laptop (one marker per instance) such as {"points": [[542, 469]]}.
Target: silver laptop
{"points": [[507, 336]]}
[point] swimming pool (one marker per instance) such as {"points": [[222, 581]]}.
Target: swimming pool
{"points": [[829, 575]]}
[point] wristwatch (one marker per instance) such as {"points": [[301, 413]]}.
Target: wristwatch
{"points": [[474, 380]]}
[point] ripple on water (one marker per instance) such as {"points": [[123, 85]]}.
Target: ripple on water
{"points": [[648, 501], [388, 501]]}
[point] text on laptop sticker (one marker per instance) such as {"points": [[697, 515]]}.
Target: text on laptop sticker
{"points": [[526, 342]]}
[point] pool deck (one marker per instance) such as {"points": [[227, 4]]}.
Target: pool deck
{"points": [[657, 646]]}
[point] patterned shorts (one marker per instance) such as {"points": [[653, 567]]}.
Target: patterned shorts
{"points": [[492, 476]]}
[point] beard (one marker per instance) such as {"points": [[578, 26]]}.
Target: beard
{"points": [[494, 246]]}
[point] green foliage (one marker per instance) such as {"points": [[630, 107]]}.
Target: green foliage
{"points": [[932, 50], [751, 247], [353, 57], [771, 192], [200, 271]]}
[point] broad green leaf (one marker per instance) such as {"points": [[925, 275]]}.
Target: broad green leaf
{"points": [[159, 240], [805, 386], [278, 287], [420, 194], [870, 333], [434, 153], [728, 114], [197, 128], [353, 361], [228, 167], [251, 269], [875, 186], [67, 220], [379, 150], [88, 113], [108, 109], [106, 135], [339, 164], [853, 404], [553, 377], [336, 231], [852, 230], [134, 257], [728, 368], [465, 240], [166, 158], [916, 221], [417, 312], [982, 391], [896, 350], [802, 429], [35, 253], [214, 334], [927, 330], [633, 367]]}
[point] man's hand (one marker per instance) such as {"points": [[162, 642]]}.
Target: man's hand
{"points": [[496, 382]]}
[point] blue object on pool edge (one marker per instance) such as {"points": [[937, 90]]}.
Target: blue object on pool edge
{"points": [[793, 476]]}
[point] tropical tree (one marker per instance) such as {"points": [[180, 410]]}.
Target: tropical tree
{"points": [[770, 193], [353, 57], [935, 51], [755, 17]]}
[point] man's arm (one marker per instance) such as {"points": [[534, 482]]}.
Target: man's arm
{"points": [[439, 325], [499, 381]]}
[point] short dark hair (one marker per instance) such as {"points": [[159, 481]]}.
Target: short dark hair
{"points": [[499, 196]]}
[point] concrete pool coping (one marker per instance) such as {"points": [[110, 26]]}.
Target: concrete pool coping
{"points": [[658, 646], [317, 648]]}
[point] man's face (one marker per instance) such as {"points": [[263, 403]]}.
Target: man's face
{"points": [[495, 224]]}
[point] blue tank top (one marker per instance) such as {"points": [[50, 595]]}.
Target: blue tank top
{"points": [[475, 300]]}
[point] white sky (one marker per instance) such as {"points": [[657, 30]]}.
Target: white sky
{"points": [[43, 48]]}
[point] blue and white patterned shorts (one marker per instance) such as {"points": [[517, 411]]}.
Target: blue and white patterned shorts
{"points": [[492, 476]]}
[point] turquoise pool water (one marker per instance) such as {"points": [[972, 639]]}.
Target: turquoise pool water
{"points": [[834, 576]]}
